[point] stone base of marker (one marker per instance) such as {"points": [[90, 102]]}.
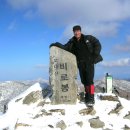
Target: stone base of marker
{"points": [[63, 75]]}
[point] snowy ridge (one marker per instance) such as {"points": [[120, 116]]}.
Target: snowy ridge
{"points": [[11, 89], [32, 110]]}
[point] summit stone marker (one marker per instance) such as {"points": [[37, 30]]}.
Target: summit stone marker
{"points": [[63, 75]]}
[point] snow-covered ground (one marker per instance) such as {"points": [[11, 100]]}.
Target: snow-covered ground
{"points": [[41, 115]]}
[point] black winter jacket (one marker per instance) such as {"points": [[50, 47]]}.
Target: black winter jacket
{"points": [[91, 42]]}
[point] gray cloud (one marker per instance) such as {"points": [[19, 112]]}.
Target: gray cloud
{"points": [[117, 63], [99, 17], [97, 29], [79, 11]]}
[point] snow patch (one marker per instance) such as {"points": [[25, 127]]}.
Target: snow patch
{"points": [[23, 115]]}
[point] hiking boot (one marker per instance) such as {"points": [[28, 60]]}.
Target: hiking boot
{"points": [[87, 97], [91, 101]]}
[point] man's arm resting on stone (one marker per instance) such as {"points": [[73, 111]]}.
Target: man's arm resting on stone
{"points": [[65, 47], [57, 44]]}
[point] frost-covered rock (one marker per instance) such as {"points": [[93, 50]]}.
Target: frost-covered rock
{"points": [[96, 123], [109, 98], [117, 109], [61, 124], [126, 127], [127, 116], [87, 111]]}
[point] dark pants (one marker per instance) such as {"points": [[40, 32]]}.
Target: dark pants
{"points": [[86, 71]]}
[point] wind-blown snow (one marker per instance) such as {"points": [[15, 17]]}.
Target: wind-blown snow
{"points": [[21, 113]]}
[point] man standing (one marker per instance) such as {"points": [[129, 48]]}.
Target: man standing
{"points": [[87, 49]]}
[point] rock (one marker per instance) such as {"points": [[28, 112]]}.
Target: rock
{"points": [[6, 129], [87, 111], [96, 123], [42, 103], [46, 91], [63, 75], [107, 129], [127, 116], [81, 97], [61, 125], [109, 98], [80, 123], [62, 111], [117, 109], [51, 126], [18, 100], [126, 127], [5, 108], [21, 125], [32, 97], [43, 113]]}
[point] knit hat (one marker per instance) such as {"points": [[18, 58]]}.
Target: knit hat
{"points": [[76, 27]]}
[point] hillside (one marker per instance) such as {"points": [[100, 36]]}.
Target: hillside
{"points": [[32, 110], [11, 89]]}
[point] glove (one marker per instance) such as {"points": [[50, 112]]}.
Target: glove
{"points": [[53, 44], [57, 44]]}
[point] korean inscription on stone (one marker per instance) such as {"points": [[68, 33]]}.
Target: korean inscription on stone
{"points": [[63, 74]]}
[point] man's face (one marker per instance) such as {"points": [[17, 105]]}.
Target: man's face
{"points": [[77, 34]]}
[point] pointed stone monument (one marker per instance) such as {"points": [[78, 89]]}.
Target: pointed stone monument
{"points": [[63, 75]]}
